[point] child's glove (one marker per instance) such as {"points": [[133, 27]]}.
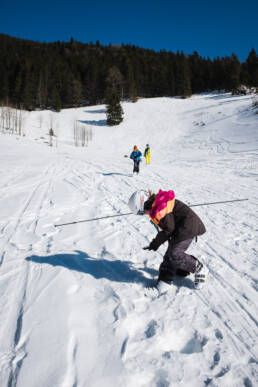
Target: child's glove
{"points": [[150, 247]]}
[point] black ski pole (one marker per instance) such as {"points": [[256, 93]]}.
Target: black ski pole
{"points": [[225, 201], [90, 220], [130, 213]]}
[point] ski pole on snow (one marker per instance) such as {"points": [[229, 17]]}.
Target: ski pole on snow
{"points": [[207, 204], [90, 220], [130, 213]]}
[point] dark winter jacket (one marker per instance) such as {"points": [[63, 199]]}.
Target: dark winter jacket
{"points": [[179, 225], [147, 151], [136, 156]]}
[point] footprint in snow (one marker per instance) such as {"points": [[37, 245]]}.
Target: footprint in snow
{"points": [[151, 329], [216, 360], [162, 379], [247, 382], [194, 345], [219, 335]]}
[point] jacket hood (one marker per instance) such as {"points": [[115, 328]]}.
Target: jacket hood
{"points": [[160, 203]]}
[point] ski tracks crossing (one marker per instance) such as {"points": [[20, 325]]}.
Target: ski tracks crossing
{"points": [[100, 325], [18, 235], [142, 323]]}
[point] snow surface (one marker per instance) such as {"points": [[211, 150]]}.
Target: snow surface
{"points": [[73, 309]]}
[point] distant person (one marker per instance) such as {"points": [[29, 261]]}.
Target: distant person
{"points": [[147, 154], [136, 157], [178, 224]]}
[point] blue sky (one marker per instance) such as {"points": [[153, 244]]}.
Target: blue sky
{"points": [[215, 28]]}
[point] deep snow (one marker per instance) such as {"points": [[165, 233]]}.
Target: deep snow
{"points": [[72, 309]]}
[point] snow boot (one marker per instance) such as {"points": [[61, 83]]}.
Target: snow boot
{"points": [[200, 275]]}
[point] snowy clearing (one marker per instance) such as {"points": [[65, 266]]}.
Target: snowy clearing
{"points": [[73, 310]]}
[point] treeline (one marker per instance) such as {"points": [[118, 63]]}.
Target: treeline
{"points": [[71, 74]]}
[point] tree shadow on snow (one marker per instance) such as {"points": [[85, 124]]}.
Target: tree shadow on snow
{"points": [[223, 97], [94, 122], [96, 111], [113, 270], [115, 173]]}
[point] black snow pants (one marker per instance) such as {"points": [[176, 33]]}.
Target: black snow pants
{"points": [[136, 166], [176, 261]]}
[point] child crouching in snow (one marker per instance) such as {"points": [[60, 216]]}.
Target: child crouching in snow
{"points": [[176, 223]]}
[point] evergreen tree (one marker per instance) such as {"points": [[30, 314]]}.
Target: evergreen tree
{"points": [[4, 86], [218, 74], [252, 68], [56, 100], [115, 80], [197, 73], [244, 76], [132, 89], [72, 73], [184, 81], [232, 66], [92, 81], [114, 108], [28, 90], [171, 77], [133, 92], [76, 92], [17, 89], [41, 92]]}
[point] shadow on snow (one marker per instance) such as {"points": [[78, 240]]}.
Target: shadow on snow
{"points": [[94, 122], [113, 270], [115, 173], [96, 111]]}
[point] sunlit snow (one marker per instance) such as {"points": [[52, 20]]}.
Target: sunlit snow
{"points": [[73, 309]]}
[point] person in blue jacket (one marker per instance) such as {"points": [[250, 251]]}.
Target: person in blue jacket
{"points": [[136, 157]]}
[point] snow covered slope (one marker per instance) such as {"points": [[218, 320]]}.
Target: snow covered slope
{"points": [[72, 307]]}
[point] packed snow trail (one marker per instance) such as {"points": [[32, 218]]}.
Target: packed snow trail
{"points": [[73, 304]]}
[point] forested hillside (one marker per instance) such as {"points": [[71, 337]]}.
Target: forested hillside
{"points": [[71, 74]]}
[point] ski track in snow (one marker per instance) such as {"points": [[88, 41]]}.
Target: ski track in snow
{"points": [[75, 309]]}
